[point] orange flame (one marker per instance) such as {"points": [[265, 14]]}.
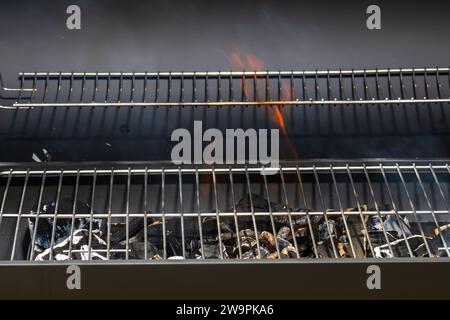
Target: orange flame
{"points": [[286, 91], [236, 60], [253, 63], [279, 119]]}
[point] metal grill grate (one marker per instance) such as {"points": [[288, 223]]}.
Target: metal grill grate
{"points": [[150, 212], [343, 87]]}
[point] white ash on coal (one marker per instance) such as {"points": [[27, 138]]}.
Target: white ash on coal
{"points": [[79, 249], [42, 229]]}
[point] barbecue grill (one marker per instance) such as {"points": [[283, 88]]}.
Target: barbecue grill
{"points": [[363, 177], [333, 210]]}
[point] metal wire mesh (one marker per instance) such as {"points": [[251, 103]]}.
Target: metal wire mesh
{"points": [[95, 89], [315, 210]]}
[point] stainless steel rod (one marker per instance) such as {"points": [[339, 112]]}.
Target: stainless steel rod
{"points": [[237, 73], [225, 103]]}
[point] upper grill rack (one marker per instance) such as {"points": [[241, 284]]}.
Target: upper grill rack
{"points": [[128, 212], [259, 88]]}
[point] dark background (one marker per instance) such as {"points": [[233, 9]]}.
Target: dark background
{"points": [[196, 35]]}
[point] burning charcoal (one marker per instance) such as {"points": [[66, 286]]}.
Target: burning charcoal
{"points": [[377, 238], [209, 228], [374, 223], [247, 233], [323, 231], [119, 230], [284, 233], [437, 243], [400, 248], [343, 250], [268, 239], [227, 236], [303, 240], [343, 238], [272, 256], [155, 236], [248, 255], [137, 250], [193, 248], [212, 251], [325, 250], [259, 204], [43, 156], [248, 243], [363, 207], [247, 240], [244, 248], [263, 252], [283, 243], [297, 221], [280, 207], [80, 249], [355, 235], [63, 225], [445, 232], [155, 232], [375, 228], [301, 232], [391, 225], [288, 252]]}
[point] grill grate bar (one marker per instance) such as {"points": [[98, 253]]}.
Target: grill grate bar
{"points": [[427, 199], [366, 232], [269, 205], [216, 200], [307, 212], [22, 198], [41, 192], [399, 220], [91, 215], [258, 246], [145, 214], [199, 213], [231, 214], [164, 232], [108, 231], [55, 214], [286, 201], [325, 214], [419, 224], [74, 208], [235, 215], [344, 218], [183, 237], [225, 170], [377, 208]]}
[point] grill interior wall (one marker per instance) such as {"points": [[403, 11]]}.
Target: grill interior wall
{"points": [[328, 131]]}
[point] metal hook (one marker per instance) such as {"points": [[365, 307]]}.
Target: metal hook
{"points": [[20, 90]]}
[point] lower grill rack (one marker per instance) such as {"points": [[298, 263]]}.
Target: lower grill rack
{"points": [[303, 210]]}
